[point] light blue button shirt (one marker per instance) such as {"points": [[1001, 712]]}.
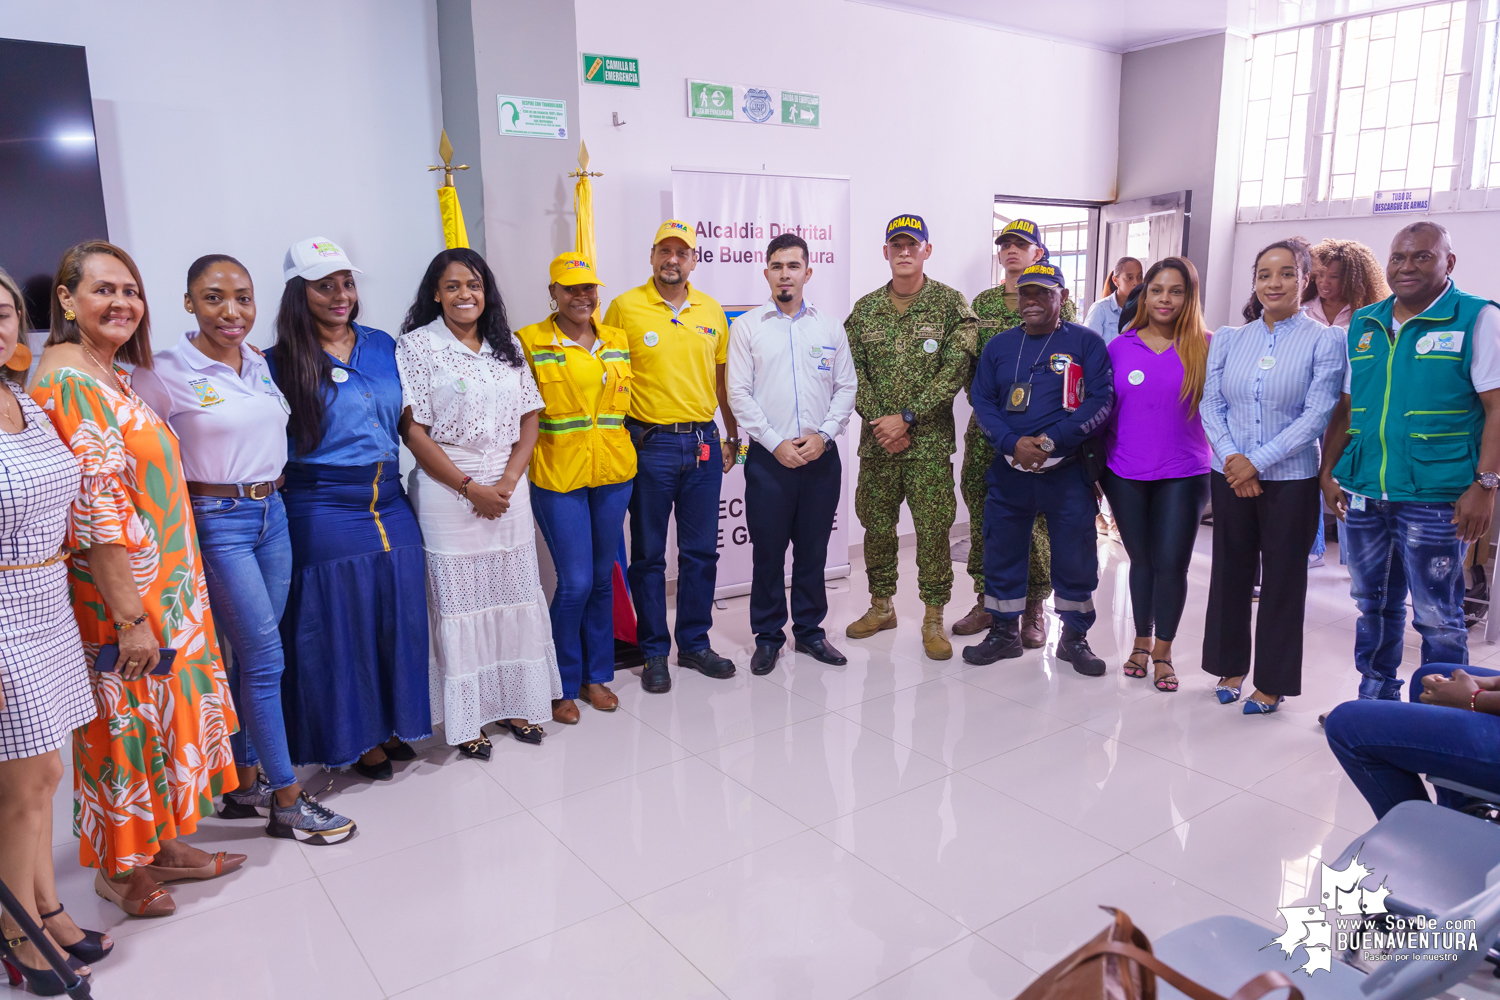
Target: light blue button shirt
{"points": [[1104, 318], [1268, 395]]}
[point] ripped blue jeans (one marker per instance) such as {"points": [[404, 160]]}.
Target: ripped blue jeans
{"points": [[1395, 547]]}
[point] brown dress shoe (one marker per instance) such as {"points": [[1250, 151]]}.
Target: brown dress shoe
{"points": [[598, 697], [1033, 626], [933, 640], [976, 621], [565, 711]]}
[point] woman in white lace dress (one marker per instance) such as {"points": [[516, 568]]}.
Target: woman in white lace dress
{"points": [[470, 419]]}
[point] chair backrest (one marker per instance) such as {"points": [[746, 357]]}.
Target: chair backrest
{"points": [[1421, 976], [1482, 794]]}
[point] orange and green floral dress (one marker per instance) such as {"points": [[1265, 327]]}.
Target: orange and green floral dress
{"points": [[158, 753]]}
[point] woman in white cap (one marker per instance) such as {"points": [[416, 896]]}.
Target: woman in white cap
{"points": [[470, 419], [355, 629]]}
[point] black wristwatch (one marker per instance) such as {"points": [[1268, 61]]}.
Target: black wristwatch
{"points": [[909, 417]]}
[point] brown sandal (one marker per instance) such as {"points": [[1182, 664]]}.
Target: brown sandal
{"points": [[220, 864], [157, 904]]}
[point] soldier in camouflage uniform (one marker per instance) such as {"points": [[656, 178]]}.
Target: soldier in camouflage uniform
{"points": [[1020, 247], [913, 346]]}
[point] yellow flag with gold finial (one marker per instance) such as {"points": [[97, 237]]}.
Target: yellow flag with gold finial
{"points": [[454, 233]]}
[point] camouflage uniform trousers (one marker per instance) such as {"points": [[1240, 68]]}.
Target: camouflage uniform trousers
{"points": [[977, 458], [927, 487]]}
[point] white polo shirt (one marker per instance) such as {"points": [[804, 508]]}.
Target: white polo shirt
{"points": [[231, 427]]}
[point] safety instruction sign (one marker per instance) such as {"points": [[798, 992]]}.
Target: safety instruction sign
{"points": [[611, 71], [1409, 200], [537, 117], [735, 102]]}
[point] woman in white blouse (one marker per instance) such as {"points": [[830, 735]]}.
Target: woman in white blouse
{"points": [[470, 419]]}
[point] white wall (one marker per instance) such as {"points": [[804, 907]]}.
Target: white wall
{"points": [[1473, 234], [240, 128], [919, 113]]}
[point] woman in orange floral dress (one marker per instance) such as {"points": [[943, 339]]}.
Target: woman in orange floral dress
{"points": [[158, 753]]}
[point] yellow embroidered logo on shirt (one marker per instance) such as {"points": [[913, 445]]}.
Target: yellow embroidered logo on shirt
{"points": [[1364, 341], [205, 391]]}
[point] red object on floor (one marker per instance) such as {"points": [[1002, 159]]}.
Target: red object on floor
{"points": [[624, 612]]}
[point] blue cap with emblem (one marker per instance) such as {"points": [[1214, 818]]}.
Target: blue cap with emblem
{"points": [[1024, 229], [912, 225], [1042, 273]]}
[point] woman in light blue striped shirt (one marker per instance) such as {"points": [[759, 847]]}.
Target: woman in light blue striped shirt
{"points": [[1270, 387]]}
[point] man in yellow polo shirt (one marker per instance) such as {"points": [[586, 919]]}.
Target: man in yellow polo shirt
{"points": [[679, 346]]}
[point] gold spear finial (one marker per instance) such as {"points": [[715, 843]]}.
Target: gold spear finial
{"points": [[445, 150], [583, 163]]}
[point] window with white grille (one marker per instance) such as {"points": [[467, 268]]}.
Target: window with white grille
{"points": [[1404, 99]]}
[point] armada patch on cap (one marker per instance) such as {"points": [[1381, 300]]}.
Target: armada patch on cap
{"points": [[912, 225]]}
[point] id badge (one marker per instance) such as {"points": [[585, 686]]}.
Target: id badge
{"points": [[1356, 502], [1018, 397], [703, 451]]}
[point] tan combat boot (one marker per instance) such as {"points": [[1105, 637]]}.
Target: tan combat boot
{"points": [[933, 640], [880, 616], [976, 621], [1033, 626]]}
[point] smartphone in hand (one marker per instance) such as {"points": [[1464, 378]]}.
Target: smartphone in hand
{"points": [[108, 660]]}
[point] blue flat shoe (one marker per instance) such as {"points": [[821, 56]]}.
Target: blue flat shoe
{"points": [[1253, 707], [1227, 695]]}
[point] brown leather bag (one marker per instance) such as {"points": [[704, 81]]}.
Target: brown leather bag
{"points": [[1118, 965]]}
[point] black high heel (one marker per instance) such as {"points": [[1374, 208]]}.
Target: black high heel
{"points": [[39, 982], [90, 948]]}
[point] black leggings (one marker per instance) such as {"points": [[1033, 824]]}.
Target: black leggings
{"points": [[1158, 521]]}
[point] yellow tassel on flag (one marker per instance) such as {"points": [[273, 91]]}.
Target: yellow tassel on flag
{"points": [[454, 233]]}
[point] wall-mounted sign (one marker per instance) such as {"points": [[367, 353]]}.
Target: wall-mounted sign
{"points": [[611, 71], [1408, 200], [536, 117], [734, 102]]}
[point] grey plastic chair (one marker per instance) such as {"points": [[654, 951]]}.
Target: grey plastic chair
{"points": [[1432, 858], [1223, 953]]}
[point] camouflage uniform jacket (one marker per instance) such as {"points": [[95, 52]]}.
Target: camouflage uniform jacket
{"points": [[897, 370]]}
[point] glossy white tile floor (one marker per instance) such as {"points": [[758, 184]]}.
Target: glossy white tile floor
{"points": [[896, 828]]}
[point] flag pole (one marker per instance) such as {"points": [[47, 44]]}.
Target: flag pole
{"points": [[454, 233]]}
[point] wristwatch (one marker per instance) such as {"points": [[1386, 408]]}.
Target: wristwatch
{"points": [[1046, 444], [1488, 480], [827, 441], [909, 417]]}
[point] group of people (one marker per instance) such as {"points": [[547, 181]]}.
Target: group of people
{"points": [[166, 513]]}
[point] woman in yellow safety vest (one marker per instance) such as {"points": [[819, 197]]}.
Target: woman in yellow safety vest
{"points": [[581, 475]]}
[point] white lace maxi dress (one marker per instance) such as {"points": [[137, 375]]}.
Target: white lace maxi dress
{"points": [[492, 655]]}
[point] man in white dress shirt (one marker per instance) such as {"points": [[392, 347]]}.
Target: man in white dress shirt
{"points": [[791, 386]]}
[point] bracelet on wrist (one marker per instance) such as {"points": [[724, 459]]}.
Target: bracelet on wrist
{"points": [[463, 487], [1474, 700], [127, 626]]}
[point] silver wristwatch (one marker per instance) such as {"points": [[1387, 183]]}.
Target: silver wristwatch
{"points": [[1046, 444], [1488, 480]]}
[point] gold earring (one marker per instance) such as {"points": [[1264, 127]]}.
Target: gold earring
{"points": [[69, 316], [552, 305]]}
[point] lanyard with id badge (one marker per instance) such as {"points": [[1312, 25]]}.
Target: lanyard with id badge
{"points": [[1018, 396]]}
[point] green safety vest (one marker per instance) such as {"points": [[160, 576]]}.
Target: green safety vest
{"points": [[1415, 420]]}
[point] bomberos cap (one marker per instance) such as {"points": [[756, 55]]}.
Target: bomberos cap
{"points": [[912, 225], [678, 229], [315, 258], [1042, 273], [572, 269], [1025, 229]]}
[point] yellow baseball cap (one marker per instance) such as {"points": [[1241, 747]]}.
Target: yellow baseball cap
{"points": [[679, 229], [572, 269]]}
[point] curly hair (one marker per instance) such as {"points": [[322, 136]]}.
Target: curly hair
{"points": [[494, 326], [1364, 278]]}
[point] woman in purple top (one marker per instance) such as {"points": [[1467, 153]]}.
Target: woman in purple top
{"points": [[1157, 472]]}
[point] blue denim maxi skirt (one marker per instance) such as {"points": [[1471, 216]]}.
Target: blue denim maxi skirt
{"points": [[355, 629]]}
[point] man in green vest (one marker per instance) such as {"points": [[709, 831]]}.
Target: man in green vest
{"points": [[1411, 458]]}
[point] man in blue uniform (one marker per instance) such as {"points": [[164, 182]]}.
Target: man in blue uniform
{"points": [[1040, 390]]}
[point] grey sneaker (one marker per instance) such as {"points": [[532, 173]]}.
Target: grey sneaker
{"points": [[309, 821], [244, 803]]}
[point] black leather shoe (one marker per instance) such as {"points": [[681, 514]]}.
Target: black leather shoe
{"points": [[655, 679], [1074, 647], [1002, 643], [375, 772], [401, 751], [763, 661], [707, 662], [819, 650]]}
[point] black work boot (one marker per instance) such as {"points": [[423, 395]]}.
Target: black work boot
{"points": [[655, 679], [1003, 643], [707, 662], [1074, 647]]}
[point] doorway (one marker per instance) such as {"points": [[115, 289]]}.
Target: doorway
{"points": [[1147, 229], [1067, 229]]}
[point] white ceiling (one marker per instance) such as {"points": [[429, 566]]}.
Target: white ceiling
{"points": [[1125, 25]]}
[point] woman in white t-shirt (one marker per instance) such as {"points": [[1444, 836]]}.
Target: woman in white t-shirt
{"points": [[217, 395], [471, 417]]}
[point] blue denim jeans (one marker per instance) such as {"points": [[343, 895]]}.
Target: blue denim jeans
{"points": [[670, 476], [247, 563], [1385, 746], [583, 529], [1396, 546]]}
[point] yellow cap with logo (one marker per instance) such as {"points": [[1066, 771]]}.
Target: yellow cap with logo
{"points": [[676, 228], [572, 269]]}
